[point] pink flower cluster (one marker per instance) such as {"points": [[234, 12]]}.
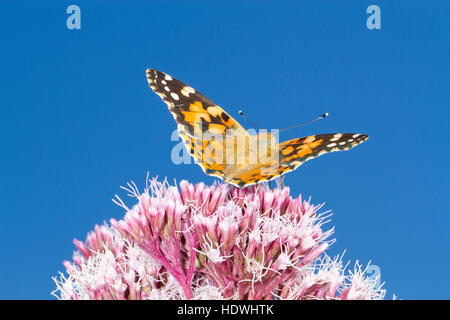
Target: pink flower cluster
{"points": [[212, 242]]}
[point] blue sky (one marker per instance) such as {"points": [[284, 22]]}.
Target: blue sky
{"points": [[78, 120]]}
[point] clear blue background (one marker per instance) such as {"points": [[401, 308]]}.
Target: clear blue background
{"points": [[78, 120]]}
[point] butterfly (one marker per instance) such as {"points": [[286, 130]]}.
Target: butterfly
{"points": [[224, 149]]}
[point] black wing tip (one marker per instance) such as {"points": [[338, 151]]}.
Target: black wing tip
{"points": [[364, 137], [359, 138], [150, 71], [154, 73]]}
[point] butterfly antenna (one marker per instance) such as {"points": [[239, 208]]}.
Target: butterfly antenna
{"points": [[302, 124], [243, 115]]}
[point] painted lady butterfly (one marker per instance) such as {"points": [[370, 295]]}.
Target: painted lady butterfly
{"points": [[198, 117]]}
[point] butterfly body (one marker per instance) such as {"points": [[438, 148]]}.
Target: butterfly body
{"points": [[248, 152], [224, 149]]}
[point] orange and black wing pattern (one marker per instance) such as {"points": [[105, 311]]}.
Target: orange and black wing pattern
{"points": [[194, 112], [197, 116], [198, 120], [293, 153]]}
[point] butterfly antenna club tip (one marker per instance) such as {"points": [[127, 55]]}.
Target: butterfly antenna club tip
{"points": [[252, 123], [302, 124]]}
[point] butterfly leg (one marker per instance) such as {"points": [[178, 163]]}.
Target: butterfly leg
{"points": [[282, 182]]}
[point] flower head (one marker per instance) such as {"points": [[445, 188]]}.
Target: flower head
{"points": [[211, 242]]}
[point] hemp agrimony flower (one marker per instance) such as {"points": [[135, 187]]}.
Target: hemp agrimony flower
{"points": [[212, 242]]}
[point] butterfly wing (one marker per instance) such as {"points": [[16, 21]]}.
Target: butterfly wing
{"points": [[206, 153], [293, 153], [258, 173], [296, 151], [196, 116], [194, 112]]}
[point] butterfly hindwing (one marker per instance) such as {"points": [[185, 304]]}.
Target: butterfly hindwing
{"points": [[205, 154], [259, 173]]}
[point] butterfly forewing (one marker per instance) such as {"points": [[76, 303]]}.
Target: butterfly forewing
{"points": [[297, 151], [192, 110], [202, 125], [293, 153]]}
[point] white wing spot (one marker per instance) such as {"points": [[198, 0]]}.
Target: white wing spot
{"points": [[336, 137], [163, 82], [331, 145], [167, 77], [189, 89], [184, 92], [175, 96], [356, 135], [166, 88]]}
